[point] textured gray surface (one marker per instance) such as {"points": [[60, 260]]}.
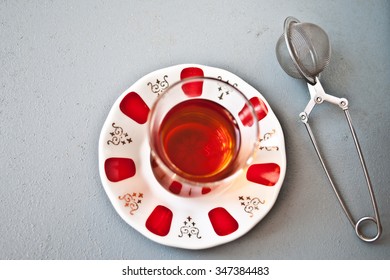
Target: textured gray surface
{"points": [[64, 63]]}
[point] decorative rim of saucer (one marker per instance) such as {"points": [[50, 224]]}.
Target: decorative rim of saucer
{"points": [[201, 222]]}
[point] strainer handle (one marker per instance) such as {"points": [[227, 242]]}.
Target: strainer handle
{"points": [[318, 98]]}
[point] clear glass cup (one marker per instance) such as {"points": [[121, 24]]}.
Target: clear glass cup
{"points": [[202, 134]]}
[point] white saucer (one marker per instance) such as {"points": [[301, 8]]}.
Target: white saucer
{"points": [[192, 223]]}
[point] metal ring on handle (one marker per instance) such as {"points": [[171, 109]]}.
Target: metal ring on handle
{"points": [[362, 236]]}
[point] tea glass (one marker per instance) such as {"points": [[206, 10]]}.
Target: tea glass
{"points": [[202, 134]]}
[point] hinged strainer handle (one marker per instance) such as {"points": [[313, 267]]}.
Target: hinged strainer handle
{"points": [[317, 97]]}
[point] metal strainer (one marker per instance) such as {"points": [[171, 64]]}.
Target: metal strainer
{"points": [[303, 51]]}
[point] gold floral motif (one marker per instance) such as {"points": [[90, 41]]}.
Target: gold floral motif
{"points": [[159, 86], [266, 137], [250, 204], [223, 89], [189, 229], [132, 201]]}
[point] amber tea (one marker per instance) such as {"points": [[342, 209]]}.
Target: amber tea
{"points": [[200, 138]]}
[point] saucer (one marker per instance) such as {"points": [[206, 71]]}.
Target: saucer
{"points": [[200, 222]]}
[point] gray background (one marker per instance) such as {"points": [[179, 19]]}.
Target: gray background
{"points": [[64, 63]]}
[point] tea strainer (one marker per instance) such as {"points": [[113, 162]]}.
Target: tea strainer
{"points": [[303, 51]]}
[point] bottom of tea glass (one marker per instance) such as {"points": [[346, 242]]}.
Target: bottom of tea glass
{"points": [[185, 188]]}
